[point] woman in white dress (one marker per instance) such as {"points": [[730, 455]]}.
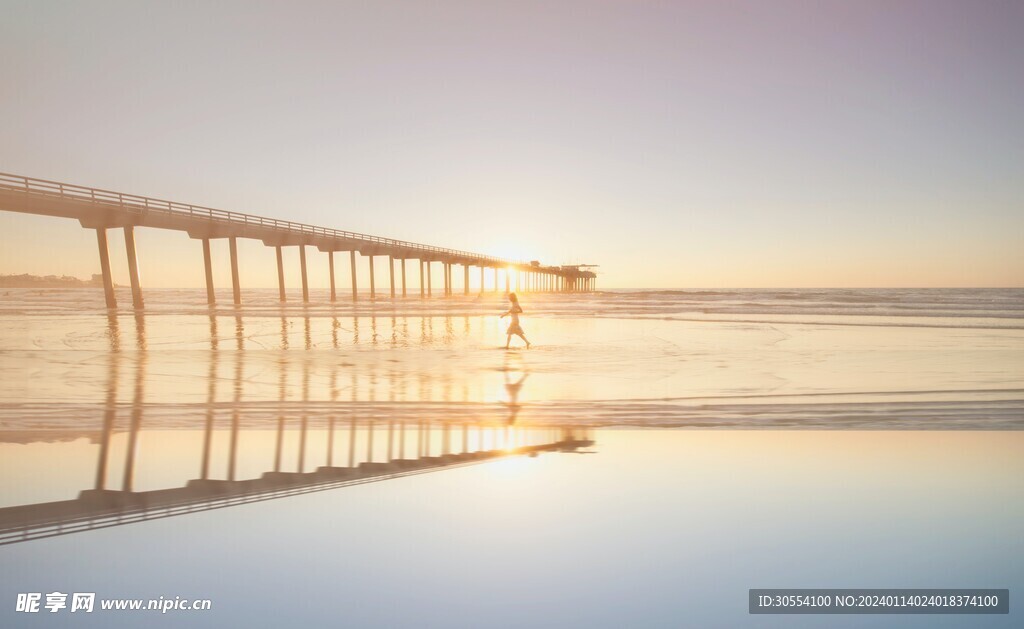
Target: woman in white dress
{"points": [[514, 327]]}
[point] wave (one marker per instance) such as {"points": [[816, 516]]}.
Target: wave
{"points": [[938, 306]]}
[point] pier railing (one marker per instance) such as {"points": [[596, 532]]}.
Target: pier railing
{"points": [[136, 204]]}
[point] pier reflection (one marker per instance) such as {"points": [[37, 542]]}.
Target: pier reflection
{"points": [[323, 423], [409, 450]]}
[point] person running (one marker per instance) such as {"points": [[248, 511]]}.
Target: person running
{"points": [[514, 328]]}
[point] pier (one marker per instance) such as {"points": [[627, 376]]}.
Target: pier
{"points": [[409, 452], [104, 210]]}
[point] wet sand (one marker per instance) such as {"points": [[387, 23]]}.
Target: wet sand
{"points": [[285, 434], [61, 368]]}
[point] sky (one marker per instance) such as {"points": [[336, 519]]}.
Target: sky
{"points": [[675, 144]]}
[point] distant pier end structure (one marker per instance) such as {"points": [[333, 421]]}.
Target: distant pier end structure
{"points": [[102, 210]]}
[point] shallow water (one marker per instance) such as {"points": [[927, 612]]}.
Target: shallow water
{"points": [[64, 361], [389, 464]]}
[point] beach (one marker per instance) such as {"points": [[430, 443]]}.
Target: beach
{"points": [[939, 359], [667, 450]]}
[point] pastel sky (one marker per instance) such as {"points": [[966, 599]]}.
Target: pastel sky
{"points": [[676, 144]]}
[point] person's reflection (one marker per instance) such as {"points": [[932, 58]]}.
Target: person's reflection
{"points": [[513, 387]]}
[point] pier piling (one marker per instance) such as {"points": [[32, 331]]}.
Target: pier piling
{"points": [[133, 266], [108, 281], [211, 297], [352, 265], [305, 281], [280, 274], [391, 274], [236, 288], [330, 264], [373, 280]]}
